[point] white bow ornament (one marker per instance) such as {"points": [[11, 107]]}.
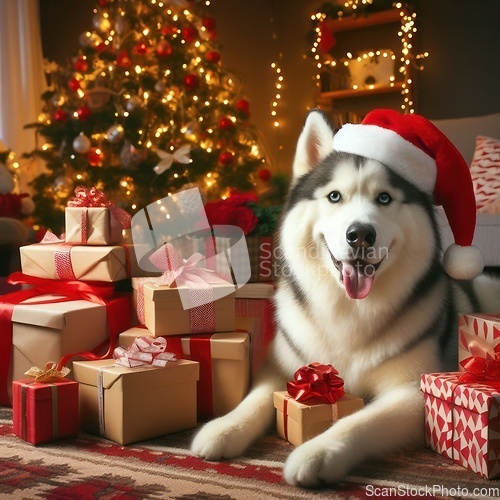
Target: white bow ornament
{"points": [[180, 156]]}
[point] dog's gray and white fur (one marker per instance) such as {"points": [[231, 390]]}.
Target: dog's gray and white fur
{"points": [[398, 325]]}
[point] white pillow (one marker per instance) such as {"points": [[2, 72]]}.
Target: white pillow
{"points": [[485, 173]]}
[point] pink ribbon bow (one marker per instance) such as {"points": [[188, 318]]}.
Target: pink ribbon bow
{"points": [[185, 272], [145, 351], [87, 198], [197, 280]]}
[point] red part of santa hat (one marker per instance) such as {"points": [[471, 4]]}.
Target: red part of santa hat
{"points": [[417, 150]]}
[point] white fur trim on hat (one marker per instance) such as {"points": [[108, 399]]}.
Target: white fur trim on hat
{"points": [[463, 263], [388, 147]]}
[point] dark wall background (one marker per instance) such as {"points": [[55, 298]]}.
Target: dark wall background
{"points": [[460, 77]]}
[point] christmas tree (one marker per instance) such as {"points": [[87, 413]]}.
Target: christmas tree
{"points": [[143, 109]]}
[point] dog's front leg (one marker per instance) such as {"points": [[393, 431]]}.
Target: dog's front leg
{"points": [[230, 435], [391, 421]]}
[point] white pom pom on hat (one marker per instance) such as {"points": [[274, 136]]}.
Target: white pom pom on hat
{"points": [[417, 150]]}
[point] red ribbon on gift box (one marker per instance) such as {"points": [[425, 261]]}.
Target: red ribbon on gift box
{"points": [[483, 367], [117, 307], [200, 351], [95, 198], [316, 381], [62, 256]]}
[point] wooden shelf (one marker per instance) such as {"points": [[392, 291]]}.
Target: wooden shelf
{"points": [[348, 93], [351, 23]]}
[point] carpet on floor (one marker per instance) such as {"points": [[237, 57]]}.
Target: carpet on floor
{"points": [[88, 467]]}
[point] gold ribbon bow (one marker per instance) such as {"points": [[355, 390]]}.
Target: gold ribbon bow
{"points": [[48, 373]]}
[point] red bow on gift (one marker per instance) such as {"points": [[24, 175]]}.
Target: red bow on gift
{"points": [[145, 351], [483, 367], [96, 198], [316, 381]]}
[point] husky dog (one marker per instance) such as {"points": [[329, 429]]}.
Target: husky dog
{"points": [[362, 288]]}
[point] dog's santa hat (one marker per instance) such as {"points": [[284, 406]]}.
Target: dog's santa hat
{"points": [[417, 150]]}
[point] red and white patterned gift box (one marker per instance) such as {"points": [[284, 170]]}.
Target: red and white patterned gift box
{"points": [[477, 334], [462, 422]]}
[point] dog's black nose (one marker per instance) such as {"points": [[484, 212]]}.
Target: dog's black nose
{"points": [[361, 235]]}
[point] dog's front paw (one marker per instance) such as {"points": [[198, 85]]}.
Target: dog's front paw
{"points": [[316, 462], [220, 439]]}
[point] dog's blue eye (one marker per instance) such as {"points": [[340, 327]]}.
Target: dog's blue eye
{"points": [[384, 199], [334, 197]]}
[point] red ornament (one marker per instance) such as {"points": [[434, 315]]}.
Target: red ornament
{"points": [[74, 84], [95, 157], [84, 113], [168, 30], [190, 34], [163, 49], [243, 106], [103, 3], [191, 81], [142, 47], [264, 175], [123, 59], [226, 123], [100, 47], [60, 115], [81, 65], [209, 23], [213, 56], [226, 157]]}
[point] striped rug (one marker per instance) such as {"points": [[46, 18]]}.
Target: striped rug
{"points": [[88, 467]]}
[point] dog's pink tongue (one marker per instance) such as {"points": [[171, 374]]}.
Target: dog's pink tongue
{"points": [[357, 284]]}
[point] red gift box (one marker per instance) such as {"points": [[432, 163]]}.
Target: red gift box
{"points": [[476, 333], [43, 412], [462, 422], [254, 301]]}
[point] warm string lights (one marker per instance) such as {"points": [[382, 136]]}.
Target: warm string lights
{"points": [[276, 66], [408, 60], [276, 103]]}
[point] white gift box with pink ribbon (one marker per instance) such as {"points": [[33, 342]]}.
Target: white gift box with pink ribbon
{"points": [[186, 298]]}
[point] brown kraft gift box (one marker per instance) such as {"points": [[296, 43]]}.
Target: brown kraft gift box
{"points": [[230, 366], [100, 230], [164, 313], [137, 403], [47, 332], [88, 263], [299, 422]]}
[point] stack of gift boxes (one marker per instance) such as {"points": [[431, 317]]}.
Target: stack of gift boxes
{"points": [[72, 315], [462, 409]]}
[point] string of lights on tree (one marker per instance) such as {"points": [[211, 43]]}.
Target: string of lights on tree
{"points": [[145, 108], [324, 40]]}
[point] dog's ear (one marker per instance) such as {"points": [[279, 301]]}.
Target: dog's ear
{"points": [[315, 143]]}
